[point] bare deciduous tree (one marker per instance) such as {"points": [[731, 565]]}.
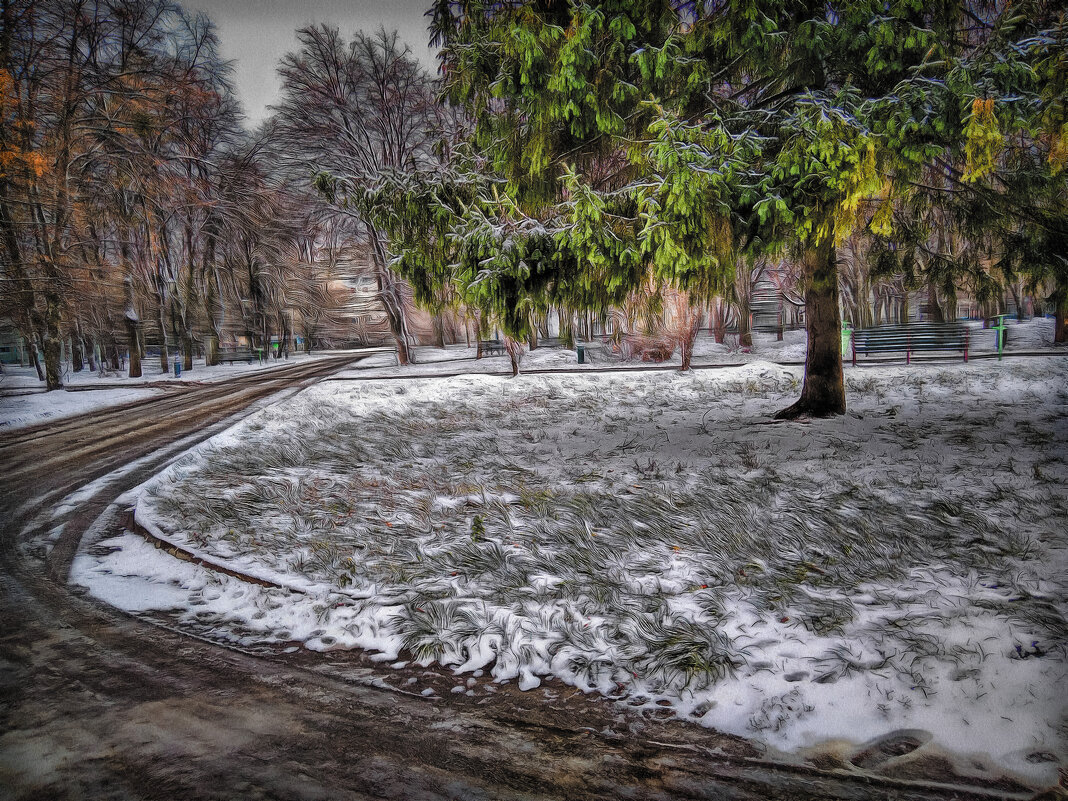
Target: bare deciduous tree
{"points": [[351, 111]]}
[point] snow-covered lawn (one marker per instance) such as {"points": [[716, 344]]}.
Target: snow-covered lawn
{"points": [[656, 537]]}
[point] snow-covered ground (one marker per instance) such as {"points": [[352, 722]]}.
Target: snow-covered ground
{"points": [[22, 403], [1031, 336], [656, 537], [18, 411]]}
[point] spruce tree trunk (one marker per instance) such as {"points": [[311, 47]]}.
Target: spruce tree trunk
{"points": [[686, 348], [564, 323], [742, 294], [823, 393], [745, 330], [1018, 300], [514, 350], [719, 323], [439, 331]]}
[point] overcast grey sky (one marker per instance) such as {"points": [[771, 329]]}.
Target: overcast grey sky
{"points": [[255, 34]]}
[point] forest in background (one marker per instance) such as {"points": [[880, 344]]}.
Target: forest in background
{"points": [[575, 163], [139, 217]]}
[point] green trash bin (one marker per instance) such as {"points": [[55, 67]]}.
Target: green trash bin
{"points": [[581, 351], [1000, 332]]}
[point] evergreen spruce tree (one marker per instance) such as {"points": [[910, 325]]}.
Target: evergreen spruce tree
{"points": [[616, 143]]}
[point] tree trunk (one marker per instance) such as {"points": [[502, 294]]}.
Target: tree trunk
{"points": [[1060, 324], [392, 300], [90, 352], [515, 354], [164, 341], [823, 393], [132, 331], [53, 345], [438, 324], [1018, 300], [742, 294], [213, 305], [113, 352], [934, 310], [564, 323], [745, 330], [212, 355], [719, 322], [686, 347], [36, 357], [77, 362]]}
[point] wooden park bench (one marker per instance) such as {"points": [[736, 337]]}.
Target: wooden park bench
{"points": [[232, 355], [910, 338], [491, 347]]}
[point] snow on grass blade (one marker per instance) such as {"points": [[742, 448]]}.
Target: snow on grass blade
{"points": [[655, 537]]}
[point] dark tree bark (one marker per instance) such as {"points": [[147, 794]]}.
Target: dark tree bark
{"points": [[76, 361], [514, 350], [90, 352], [389, 294], [934, 310], [133, 326], [686, 348], [823, 393], [213, 302], [719, 322], [35, 357], [743, 291], [53, 344], [1060, 323], [164, 340], [438, 324]]}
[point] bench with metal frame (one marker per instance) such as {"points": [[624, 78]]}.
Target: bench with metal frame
{"points": [[240, 355], [491, 347], [910, 338]]}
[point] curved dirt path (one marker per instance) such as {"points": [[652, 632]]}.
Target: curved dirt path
{"points": [[95, 704]]}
